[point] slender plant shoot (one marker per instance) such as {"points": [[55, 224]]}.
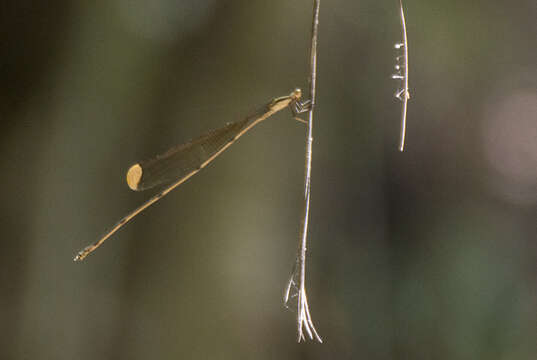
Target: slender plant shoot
{"points": [[180, 163], [296, 286], [401, 74]]}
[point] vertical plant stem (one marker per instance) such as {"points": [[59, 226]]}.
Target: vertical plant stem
{"points": [[304, 321], [405, 94]]}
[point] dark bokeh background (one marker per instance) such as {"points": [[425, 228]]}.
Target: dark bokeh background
{"points": [[428, 254]]}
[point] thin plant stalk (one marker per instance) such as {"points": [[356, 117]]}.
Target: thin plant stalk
{"points": [[298, 278], [403, 93]]}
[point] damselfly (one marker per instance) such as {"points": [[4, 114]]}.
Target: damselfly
{"points": [[181, 162]]}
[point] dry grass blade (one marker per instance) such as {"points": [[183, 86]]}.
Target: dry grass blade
{"points": [[298, 277], [401, 74]]}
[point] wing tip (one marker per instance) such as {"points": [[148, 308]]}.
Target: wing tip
{"points": [[134, 175]]}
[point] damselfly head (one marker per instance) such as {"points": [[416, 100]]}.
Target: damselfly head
{"points": [[296, 94]]}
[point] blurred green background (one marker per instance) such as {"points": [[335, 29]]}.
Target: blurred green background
{"points": [[426, 254]]}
